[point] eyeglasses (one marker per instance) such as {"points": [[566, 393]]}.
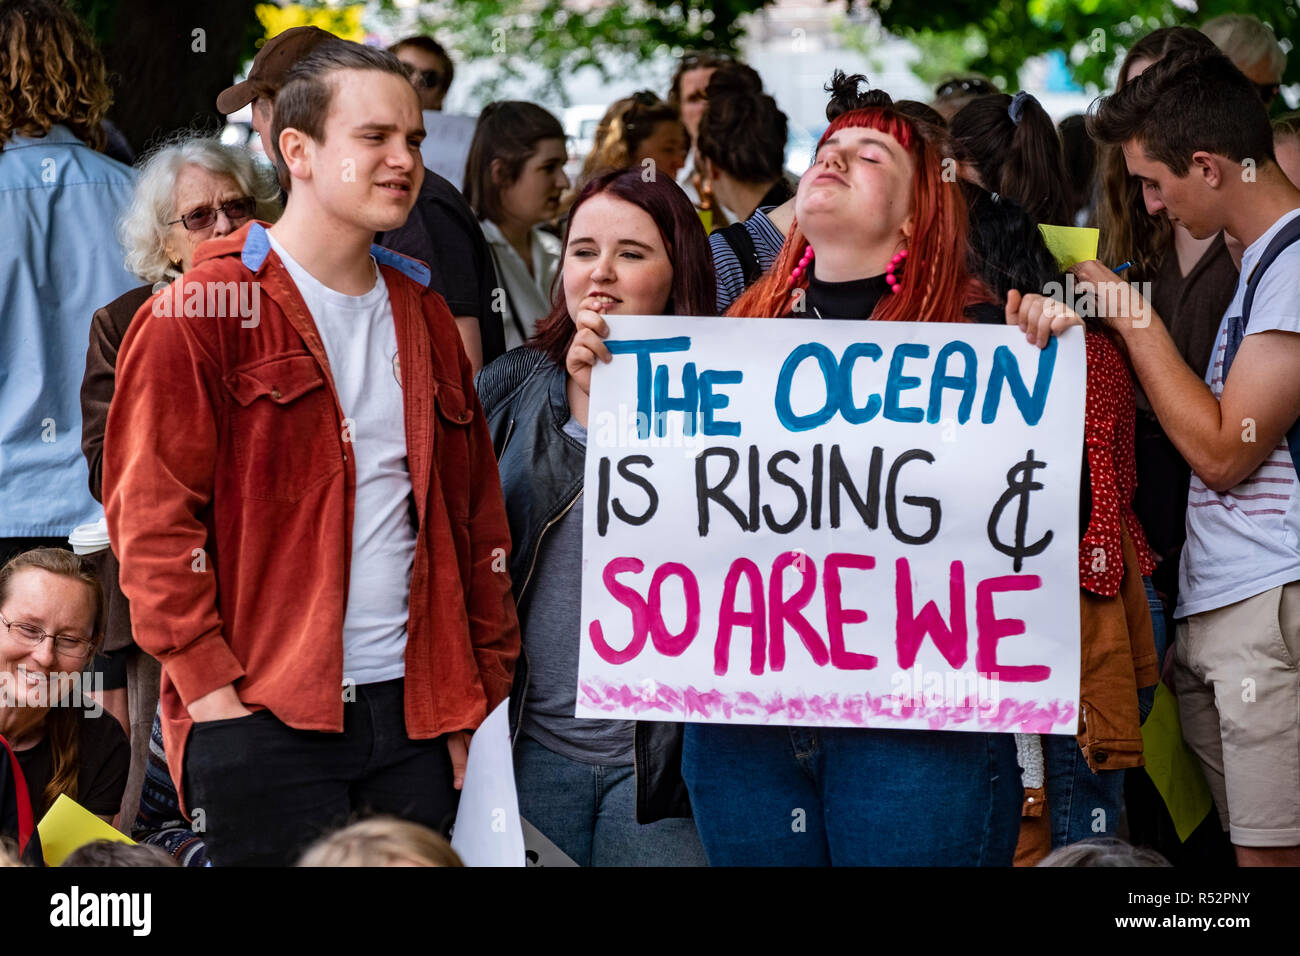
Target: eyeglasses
{"points": [[969, 85], [428, 79], [31, 636], [237, 210], [1267, 91]]}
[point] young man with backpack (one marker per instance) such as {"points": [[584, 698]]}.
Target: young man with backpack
{"points": [[305, 500], [1197, 136]]}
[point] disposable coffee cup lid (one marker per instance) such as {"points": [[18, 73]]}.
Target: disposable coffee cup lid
{"points": [[89, 538]]}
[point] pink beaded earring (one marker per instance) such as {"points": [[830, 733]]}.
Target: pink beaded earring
{"points": [[800, 268], [894, 283]]}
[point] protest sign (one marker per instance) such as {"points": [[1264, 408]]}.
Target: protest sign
{"points": [[487, 830], [860, 524]]}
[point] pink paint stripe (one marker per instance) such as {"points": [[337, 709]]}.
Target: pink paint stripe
{"points": [[855, 710]]}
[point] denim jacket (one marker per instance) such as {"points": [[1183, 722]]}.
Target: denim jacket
{"points": [[526, 405]]}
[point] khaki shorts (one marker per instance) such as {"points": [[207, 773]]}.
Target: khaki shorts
{"points": [[1237, 675]]}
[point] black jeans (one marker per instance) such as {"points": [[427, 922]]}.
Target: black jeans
{"points": [[266, 790]]}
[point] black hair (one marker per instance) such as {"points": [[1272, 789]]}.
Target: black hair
{"points": [[1185, 103], [432, 47], [742, 131], [843, 89], [1013, 144]]}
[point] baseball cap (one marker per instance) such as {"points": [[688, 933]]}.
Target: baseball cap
{"points": [[272, 64]]}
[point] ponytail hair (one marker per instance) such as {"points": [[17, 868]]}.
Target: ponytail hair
{"points": [[625, 126], [1014, 145], [936, 287]]}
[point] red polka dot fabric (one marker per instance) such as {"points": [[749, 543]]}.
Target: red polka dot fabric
{"points": [[1108, 441]]}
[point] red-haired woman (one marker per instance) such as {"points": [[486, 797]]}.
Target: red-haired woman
{"points": [[890, 244], [607, 792]]}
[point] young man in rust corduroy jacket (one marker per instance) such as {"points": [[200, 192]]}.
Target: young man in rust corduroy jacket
{"points": [[304, 496]]}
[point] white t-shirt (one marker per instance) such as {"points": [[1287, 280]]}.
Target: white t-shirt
{"points": [[360, 340], [1246, 541]]}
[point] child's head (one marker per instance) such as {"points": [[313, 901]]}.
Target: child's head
{"points": [[381, 841], [1103, 851], [100, 853], [1192, 128]]}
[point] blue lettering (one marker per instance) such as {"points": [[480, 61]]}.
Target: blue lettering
{"points": [[852, 414], [642, 349], [965, 382], [826, 359], [1007, 369], [898, 382], [689, 401], [709, 402]]}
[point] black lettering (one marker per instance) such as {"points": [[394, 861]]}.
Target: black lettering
{"points": [[891, 506], [624, 470], [868, 510], [704, 493], [602, 497], [781, 478], [815, 511], [753, 488]]}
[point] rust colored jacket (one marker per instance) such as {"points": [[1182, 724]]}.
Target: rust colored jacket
{"points": [[229, 492]]}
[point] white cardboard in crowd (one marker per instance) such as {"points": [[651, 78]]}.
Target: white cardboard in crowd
{"points": [[540, 851], [861, 524], [487, 830], [446, 144]]}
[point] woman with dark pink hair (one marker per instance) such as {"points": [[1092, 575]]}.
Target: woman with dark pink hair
{"points": [[606, 792]]}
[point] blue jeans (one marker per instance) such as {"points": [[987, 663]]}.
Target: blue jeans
{"points": [[589, 812], [805, 796], [1082, 804], [1160, 630]]}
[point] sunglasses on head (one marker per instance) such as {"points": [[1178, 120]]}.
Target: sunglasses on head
{"points": [[237, 210]]}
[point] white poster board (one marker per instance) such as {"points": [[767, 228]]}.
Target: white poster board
{"points": [[446, 144], [859, 524]]}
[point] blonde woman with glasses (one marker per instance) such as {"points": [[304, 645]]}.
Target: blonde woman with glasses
{"points": [[51, 607]]}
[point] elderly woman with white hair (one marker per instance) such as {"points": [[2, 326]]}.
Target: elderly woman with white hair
{"points": [[189, 190]]}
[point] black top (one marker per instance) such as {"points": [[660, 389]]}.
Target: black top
{"points": [[105, 757], [443, 233], [857, 299]]}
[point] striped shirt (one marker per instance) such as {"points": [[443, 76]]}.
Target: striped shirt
{"points": [[1246, 541], [767, 241]]}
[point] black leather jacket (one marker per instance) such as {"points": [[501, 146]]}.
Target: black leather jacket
{"points": [[524, 398]]}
